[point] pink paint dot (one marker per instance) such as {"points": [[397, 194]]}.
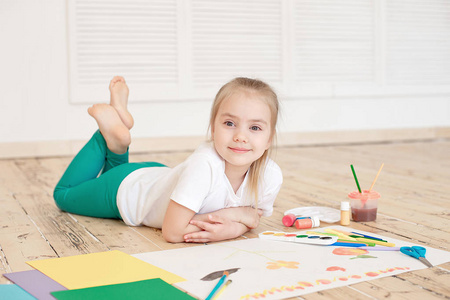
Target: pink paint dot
{"points": [[323, 281]]}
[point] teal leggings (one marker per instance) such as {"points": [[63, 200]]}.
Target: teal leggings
{"points": [[81, 190]]}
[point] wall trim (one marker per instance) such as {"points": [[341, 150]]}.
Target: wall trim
{"points": [[176, 144]]}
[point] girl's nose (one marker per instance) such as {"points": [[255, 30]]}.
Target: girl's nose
{"points": [[240, 137]]}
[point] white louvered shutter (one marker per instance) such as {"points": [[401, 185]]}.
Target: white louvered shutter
{"points": [[187, 49], [418, 42], [333, 43], [135, 39], [235, 38]]}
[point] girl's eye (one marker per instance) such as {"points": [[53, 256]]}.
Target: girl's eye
{"points": [[255, 128], [229, 123]]}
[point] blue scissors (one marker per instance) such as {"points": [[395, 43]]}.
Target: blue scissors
{"points": [[416, 252]]}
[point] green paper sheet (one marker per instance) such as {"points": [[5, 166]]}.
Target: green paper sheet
{"points": [[103, 268], [146, 289]]}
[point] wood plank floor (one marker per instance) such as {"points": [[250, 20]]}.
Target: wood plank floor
{"points": [[415, 206]]}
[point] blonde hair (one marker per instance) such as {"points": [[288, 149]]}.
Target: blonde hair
{"points": [[266, 93]]}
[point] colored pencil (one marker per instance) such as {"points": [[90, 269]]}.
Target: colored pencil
{"points": [[381, 248], [348, 245], [222, 289], [367, 236], [376, 177], [343, 232], [365, 240], [356, 242], [356, 179], [345, 237], [321, 233], [218, 285]]}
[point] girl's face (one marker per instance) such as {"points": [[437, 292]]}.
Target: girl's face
{"points": [[242, 130]]}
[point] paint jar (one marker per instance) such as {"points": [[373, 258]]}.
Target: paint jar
{"points": [[307, 222], [345, 213], [364, 205]]}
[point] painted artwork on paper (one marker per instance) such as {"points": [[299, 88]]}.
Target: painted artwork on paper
{"points": [[265, 269]]}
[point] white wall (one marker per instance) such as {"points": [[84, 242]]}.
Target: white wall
{"points": [[34, 92]]}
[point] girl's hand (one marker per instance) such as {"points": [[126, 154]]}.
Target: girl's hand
{"points": [[217, 229]]}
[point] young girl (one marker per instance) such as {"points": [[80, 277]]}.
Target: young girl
{"points": [[218, 193]]}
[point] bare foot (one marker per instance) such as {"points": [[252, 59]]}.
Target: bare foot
{"points": [[119, 100], [116, 134]]}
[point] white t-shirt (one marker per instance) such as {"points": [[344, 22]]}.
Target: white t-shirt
{"points": [[199, 183]]}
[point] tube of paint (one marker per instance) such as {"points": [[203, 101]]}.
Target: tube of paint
{"points": [[308, 222], [289, 219]]}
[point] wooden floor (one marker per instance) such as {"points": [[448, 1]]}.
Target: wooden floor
{"points": [[415, 206]]}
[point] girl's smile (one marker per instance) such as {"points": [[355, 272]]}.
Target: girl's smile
{"points": [[239, 150]]}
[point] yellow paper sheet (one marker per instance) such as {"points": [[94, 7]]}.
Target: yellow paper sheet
{"points": [[96, 269]]}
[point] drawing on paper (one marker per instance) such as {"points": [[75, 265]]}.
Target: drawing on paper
{"points": [[218, 274], [349, 251], [302, 285], [282, 264], [335, 268], [363, 256], [360, 253]]}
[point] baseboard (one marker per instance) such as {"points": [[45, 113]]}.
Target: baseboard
{"points": [[363, 136], [174, 144]]}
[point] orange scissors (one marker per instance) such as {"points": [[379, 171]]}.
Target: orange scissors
{"points": [[416, 252]]}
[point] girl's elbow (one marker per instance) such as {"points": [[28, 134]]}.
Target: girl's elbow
{"points": [[172, 237]]}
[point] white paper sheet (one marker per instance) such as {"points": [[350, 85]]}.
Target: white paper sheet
{"points": [[278, 270]]}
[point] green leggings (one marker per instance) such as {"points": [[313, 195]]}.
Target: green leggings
{"points": [[81, 190]]}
